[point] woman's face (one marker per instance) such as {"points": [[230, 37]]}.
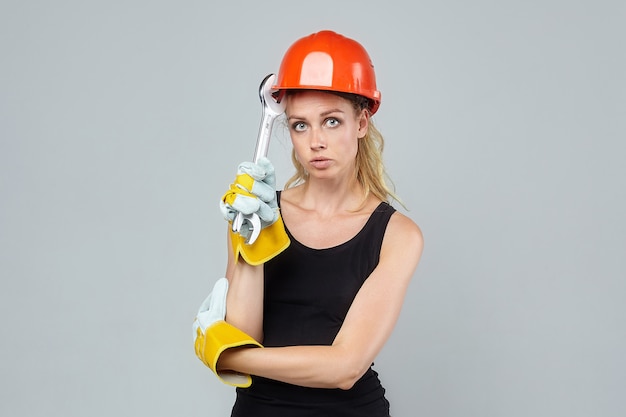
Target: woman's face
{"points": [[325, 130]]}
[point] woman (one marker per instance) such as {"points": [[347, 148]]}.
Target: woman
{"points": [[324, 306]]}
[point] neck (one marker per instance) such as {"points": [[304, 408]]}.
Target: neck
{"points": [[331, 196]]}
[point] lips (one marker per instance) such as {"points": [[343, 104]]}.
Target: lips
{"points": [[320, 163]]}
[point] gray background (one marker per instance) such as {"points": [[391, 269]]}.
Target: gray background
{"points": [[121, 124]]}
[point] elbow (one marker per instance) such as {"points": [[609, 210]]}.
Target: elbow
{"points": [[346, 367], [347, 378], [346, 384]]}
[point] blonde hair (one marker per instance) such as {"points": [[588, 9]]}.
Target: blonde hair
{"points": [[370, 171]]}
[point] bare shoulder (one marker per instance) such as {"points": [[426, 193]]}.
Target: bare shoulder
{"points": [[403, 236]]}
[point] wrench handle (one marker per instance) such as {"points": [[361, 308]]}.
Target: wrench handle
{"points": [[262, 146], [270, 110], [263, 138]]}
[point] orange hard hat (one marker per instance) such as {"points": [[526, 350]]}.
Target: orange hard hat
{"points": [[329, 61]]}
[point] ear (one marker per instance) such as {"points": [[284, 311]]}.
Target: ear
{"points": [[363, 120]]}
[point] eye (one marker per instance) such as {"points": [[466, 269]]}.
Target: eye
{"points": [[299, 126], [332, 122]]}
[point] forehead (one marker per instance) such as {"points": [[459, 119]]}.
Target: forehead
{"points": [[313, 101]]}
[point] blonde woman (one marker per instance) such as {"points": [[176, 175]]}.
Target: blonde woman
{"points": [[308, 316]]}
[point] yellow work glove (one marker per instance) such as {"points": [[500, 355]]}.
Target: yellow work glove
{"points": [[254, 192], [212, 335]]}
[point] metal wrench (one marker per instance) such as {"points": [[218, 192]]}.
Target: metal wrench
{"points": [[271, 110]]}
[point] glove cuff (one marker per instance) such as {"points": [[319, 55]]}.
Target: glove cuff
{"points": [[216, 339], [271, 241]]}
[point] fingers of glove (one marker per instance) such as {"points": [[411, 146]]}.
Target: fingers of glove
{"points": [[262, 171], [254, 170], [228, 211], [213, 308], [259, 188], [240, 200], [267, 214], [245, 205], [270, 172]]}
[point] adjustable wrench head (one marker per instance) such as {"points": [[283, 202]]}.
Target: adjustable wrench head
{"points": [[254, 225], [271, 107], [255, 231]]}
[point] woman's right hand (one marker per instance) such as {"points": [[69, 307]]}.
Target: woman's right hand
{"points": [[253, 192]]}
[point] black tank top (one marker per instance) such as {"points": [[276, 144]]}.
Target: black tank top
{"points": [[307, 295]]}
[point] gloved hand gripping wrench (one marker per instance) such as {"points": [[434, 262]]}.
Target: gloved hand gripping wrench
{"points": [[271, 110]]}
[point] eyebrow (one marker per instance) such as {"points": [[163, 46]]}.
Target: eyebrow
{"points": [[323, 114]]}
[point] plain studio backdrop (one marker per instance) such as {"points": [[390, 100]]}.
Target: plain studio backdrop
{"points": [[122, 123]]}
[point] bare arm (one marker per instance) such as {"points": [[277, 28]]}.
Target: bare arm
{"points": [[367, 326], [244, 303]]}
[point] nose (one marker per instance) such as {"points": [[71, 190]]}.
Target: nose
{"points": [[318, 142]]}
